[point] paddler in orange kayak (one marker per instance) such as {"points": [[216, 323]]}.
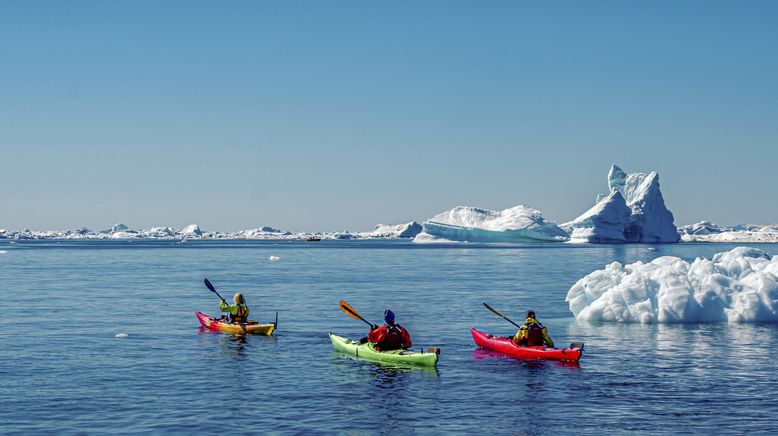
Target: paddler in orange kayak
{"points": [[532, 333], [239, 312]]}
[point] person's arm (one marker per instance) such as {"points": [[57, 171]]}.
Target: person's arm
{"points": [[229, 308], [520, 335], [406, 339], [376, 335], [546, 338]]}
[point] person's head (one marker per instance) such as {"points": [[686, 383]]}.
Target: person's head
{"points": [[238, 298], [389, 317], [530, 314]]}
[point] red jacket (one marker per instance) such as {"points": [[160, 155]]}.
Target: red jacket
{"points": [[390, 338]]}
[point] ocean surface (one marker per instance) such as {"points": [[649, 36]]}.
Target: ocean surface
{"points": [[63, 369]]}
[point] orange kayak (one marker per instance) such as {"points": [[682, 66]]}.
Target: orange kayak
{"points": [[222, 325]]}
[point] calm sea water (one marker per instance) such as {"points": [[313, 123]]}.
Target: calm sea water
{"points": [[63, 369]]}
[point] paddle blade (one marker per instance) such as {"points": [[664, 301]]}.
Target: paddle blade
{"points": [[210, 286], [350, 311]]}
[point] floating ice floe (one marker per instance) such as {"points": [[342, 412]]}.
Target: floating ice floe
{"points": [[273, 258], [3, 251], [705, 231], [122, 335], [740, 285], [516, 224], [647, 220]]}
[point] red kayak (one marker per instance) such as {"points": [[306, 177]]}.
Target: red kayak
{"points": [[507, 346]]}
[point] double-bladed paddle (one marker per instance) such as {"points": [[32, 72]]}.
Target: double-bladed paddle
{"points": [[494, 311], [351, 312]]}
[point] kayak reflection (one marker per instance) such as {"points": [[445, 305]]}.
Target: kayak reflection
{"points": [[484, 354], [386, 370]]}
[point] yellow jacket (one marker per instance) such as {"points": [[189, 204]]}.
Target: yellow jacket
{"points": [[523, 332], [232, 309]]}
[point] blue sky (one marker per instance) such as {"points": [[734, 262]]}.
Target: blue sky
{"points": [[341, 115]]}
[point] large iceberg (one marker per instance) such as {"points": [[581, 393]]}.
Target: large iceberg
{"points": [[740, 285], [516, 224], [604, 222], [648, 219]]}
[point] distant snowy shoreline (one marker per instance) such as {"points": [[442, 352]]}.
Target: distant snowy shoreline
{"points": [[193, 232]]}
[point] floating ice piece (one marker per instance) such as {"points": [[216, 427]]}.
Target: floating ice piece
{"points": [[122, 335], [273, 258], [740, 285], [3, 252], [516, 224], [706, 231]]}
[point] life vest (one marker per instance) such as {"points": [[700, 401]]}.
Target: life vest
{"points": [[393, 339], [534, 334], [241, 314]]}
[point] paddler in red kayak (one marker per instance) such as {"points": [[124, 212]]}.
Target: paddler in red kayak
{"points": [[390, 336], [239, 312], [532, 333]]}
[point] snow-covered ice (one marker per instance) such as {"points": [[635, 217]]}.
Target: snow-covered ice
{"points": [[648, 220], [705, 231], [273, 258], [604, 222], [516, 224], [740, 285], [407, 230], [191, 231], [122, 335]]}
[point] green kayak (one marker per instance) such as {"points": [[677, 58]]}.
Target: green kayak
{"points": [[430, 358]]}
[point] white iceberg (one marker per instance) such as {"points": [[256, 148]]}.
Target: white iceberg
{"points": [[119, 228], [649, 219], [157, 233], [191, 231], [740, 285], [516, 224], [407, 230], [706, 231], [604, 222]]}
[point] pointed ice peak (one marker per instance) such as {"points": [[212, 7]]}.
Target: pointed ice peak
{"points": [[616, 178]]}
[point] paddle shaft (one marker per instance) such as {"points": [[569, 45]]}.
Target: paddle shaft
{"points": [[494, 311]]}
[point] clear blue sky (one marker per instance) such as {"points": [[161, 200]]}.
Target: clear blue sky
{"points": [[341, 115]]}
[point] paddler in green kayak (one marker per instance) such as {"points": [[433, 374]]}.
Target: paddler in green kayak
{"points": [[390, 336], [532, 333], [239, 312]]}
